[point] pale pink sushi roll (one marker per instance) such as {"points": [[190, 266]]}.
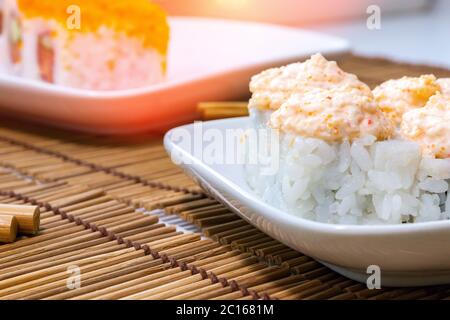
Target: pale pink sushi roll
{"points": [[13, 39], [106, 51]]}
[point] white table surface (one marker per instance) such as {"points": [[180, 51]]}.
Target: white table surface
{"points": [[417, 37]]}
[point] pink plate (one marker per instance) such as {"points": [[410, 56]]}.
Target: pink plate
{"points": [[208, 60]]}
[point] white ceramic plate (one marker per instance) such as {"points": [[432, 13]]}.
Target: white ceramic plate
{"points": [[408, 255], [208, 60]]}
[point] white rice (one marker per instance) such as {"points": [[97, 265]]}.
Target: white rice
{"points": [[366, 182]]}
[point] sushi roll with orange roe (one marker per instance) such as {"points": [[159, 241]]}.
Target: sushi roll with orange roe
{"points": [[89, 44]]}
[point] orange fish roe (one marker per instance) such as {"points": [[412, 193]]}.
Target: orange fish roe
{"points": [[137, 18]]}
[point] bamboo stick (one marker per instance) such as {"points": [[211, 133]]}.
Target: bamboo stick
{"points": [[123, 288], [189, 292], [61, 258], [28, 217], [34, 282], [220, 110], [142, 284], [8, 228], [6, 249], [136, 271]]}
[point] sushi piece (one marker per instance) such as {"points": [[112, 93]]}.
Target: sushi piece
{"points": [[276, 87], [272, 87], [339, 163], [395, 97], [429, 126], [86, 44]]}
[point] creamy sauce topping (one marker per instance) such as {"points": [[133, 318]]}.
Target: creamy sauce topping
{"points": [[271, 88], [334, 114], [430, 126], [395, 97], [444, 84]]}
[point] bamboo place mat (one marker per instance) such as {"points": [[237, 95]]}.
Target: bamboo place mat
{"points": [[138, 228]]}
